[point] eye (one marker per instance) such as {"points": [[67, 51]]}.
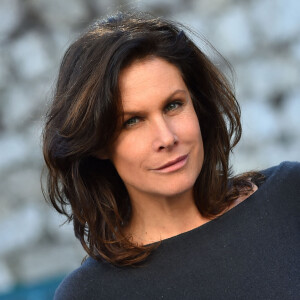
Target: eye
{"points": [[173, 105], [132, 121]]}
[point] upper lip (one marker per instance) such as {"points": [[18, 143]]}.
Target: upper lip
{"points": [[172, 162]]}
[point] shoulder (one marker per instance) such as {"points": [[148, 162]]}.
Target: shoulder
{"points": [[81, 283], [282, 186], [286, 172]]}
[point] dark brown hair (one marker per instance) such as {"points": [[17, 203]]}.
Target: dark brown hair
{"points": [[83, 120]]}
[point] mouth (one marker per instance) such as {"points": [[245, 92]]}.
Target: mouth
{"points": [[173, 165]]}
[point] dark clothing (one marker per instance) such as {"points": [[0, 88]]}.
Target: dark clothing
{"points": [[250, 252]]}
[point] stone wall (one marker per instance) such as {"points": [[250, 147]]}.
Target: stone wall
{"points": [[261, 39]]}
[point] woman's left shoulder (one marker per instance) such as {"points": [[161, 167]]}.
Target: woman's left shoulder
{"points": [[282, 186], [288, 171]]}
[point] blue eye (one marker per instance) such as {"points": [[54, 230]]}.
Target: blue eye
{"points": [[173, 105], [131, 121]]}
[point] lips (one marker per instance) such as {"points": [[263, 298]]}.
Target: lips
{"points": [[178, 161]]}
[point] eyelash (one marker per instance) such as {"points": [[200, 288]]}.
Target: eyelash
{"points": [[128, 124], [178, 104]]}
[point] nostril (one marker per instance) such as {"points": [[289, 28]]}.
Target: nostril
{"points": [[169, 145]]}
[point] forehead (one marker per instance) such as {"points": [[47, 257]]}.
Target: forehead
{"points": [[148, 80]]}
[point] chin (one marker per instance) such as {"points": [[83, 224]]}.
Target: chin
{"points": [[176, 188]]}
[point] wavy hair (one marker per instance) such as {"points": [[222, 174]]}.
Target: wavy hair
{"points": [[83, 120]]}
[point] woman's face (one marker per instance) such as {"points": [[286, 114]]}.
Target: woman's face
{"points": [[159, 151]]}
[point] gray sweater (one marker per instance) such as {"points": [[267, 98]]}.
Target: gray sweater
{"points": [[250, 252]]}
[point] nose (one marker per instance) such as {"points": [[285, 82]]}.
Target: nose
{"points": [[164, 136]]}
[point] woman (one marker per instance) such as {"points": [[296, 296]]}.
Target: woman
{"points": [[137, 144]]}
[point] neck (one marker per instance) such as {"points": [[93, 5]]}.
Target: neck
{"points": [[157, 218]]}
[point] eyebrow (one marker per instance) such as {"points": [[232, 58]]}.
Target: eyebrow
{"points": [[139, 112]]}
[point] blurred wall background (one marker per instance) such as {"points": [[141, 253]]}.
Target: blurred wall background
{"points": [[261, 39]]}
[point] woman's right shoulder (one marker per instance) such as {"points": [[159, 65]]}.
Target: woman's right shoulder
{"points": [[79, 283]]}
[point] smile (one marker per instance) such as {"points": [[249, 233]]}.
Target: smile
{"points": [[173, 165]]}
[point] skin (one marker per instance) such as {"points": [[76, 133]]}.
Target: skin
{"points": [[160, 126]]}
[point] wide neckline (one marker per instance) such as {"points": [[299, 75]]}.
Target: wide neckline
{"points": [[211, 223]]}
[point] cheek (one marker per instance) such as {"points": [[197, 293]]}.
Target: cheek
{"points": [[188, 127], [128, 153], [194, 128]]}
